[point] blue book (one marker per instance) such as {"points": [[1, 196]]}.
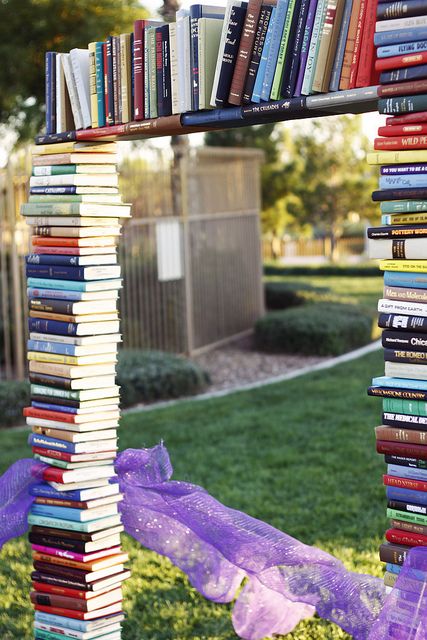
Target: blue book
{"points": [[46, 442], [100, 90], [46, 346], [66, 285], [393, 568], [66, 273], [411, 473], [276, 37], [210, 118], [334, 84], [402, 279], [406, 495], [50, 63], [53, 407], [44, 490], [406, 73], [72, 623], [73, 525], [65, 513], [40, 325], [56, 294], [401, 49], [396, 169], [293, 55], [56, 191], [403, 181], [65, 261], [199, 11], [399, 383], [256, 94], [398, 36]]}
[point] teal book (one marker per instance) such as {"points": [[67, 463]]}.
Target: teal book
{"points": [[403, 206], [84, 527], [283, 51], [73, 285], [100, 90], [278, 24], [48, 635], [313, 50], [399, 383]]}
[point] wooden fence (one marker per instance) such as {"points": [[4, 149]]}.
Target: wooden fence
{"points": [[191, 254]]}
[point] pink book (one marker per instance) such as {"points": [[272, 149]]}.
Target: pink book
{"points": [[72, 555]]}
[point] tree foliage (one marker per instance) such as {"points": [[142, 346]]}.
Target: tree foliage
{"points": [[28, 28]]}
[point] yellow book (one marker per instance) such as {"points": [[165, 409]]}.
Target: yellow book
{"points": [[100, 358], [409, 218], [415, 266], [396, 157], [92, 85], [73, 147], [72, 371], [390, 578]]}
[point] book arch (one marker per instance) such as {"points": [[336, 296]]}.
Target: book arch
{"points": [[266, 62]]}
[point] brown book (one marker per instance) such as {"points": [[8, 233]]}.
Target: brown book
{"points": [[393, 553], [349, 47], [92, 565], [403, 293], [331, 43], [395, 434], [77, 535], [77, 604], [410, 527], [403, 88], [243, 59]]}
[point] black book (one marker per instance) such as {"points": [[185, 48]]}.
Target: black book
{"points": [[403, 323], [409, 507], [293, 52], [264, 19], [50, 381], [60, 570], [68, 544], [51, 306], [416, 193], [60, 581], [398, 394], [404, 340], [403, 461], [290, 106], [163, 71], [391, 10], [74, 535], [398, 231], [53, 138], [403, 75], [231, 49], [402, 355], [405, 421], [61, 402], [110, 83]]}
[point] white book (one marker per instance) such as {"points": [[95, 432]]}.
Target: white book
{"points": [[86, 484], [79, 59], [70, 370], [409, 248], [57, 208], [174, 67], [75, 308], [86, 384], [67, 426], [210, 31], [401, 23], [78, 180], [72, 90], [73, 221], [310, 68], [78, 231], [110, 416], [404, 370], [402, 307], [63, 107], [98, 199], [184, 59], [88, 436], [84, 341], [97, 328], [100, 358], [82, 635], [49, 169], [91, 474], [97, 493], [83, 462], [221, 48], [87, 258], [83, 396]]}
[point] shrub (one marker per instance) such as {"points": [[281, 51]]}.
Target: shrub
{"points": [[281, 295], [322, 270], [14, 396], [314, 329], [145, 376]]}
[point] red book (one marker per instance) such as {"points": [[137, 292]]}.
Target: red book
{"points": [[405, 483], [56, 242], [403, 537], [367, 47], [45, 414], [357, 44], [74, 457], [398, 62], [402, 129], [104, 55], [77, 604], [418, 451], [395, 143], [80, 615], [102, 132], [62, 591], [408, 118], [403, 88]]}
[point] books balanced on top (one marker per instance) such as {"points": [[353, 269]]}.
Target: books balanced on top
{"points": [[73, 279], [401, 246], [211, 57]]}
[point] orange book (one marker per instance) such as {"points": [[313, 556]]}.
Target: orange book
{"points": [[94, 565], [47, 241]]}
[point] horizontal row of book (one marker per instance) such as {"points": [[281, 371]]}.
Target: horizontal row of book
{"points": [[243, 53], [73, 280], [401, 245]]}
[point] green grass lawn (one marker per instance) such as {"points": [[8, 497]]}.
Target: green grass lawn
{"points": [[299, 455]]}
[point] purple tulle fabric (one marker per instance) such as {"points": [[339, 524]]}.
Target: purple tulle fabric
{"points": [[221, 550]]}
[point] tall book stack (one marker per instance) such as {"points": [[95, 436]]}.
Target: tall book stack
{"points": [[73, 283], [401, 246]]}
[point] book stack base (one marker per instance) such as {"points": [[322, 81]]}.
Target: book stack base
{"points": [[401, 246], [73, 282]]}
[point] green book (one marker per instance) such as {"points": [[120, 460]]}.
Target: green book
{"points": [[150, 34], [403, 206], [67, 169], [90, 197], [277, 80], [415, 518], [314, 46], [210, 30], [408, 407]]}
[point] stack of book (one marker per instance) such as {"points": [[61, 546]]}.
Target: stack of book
{"points": [[401, 246], [243, 53], [73, 283]]}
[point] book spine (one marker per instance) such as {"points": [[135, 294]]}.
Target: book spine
{"points": [[125, 75], [159, 72], [72, 91], [399, 194], [405, 483], [111, 99], [357, 44], [151, 35], [292, 63], [319, 18], [401, 142], [283, 50], [327, 46], [402, 449], [394, 434], [349, 47], [106, 77], [259, 41], [78, 58], [234, 31], [115, 57], [256, 93], [166, 72], [138, 69], [409, 407], [306, 45], [175, 98], [404, 340], [276, 38], [367, 49], [400, 394], [392, 10], [50, 64], [409, 539], [393, 553], [92, 85], [195, 14], [100, 90], [243, 57]]}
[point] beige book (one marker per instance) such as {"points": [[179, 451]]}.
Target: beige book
{"points": [[330, 27], [126, 79], [92, 84]]}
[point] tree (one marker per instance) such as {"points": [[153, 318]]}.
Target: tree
{"points": [[28, 28]]}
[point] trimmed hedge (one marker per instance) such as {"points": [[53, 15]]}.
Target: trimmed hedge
{"points": [[282, 295], [146, 376], [325, 270], [314, 329], [14, 396]]}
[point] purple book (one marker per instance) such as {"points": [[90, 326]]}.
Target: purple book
{"points": [[305, 46]]}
